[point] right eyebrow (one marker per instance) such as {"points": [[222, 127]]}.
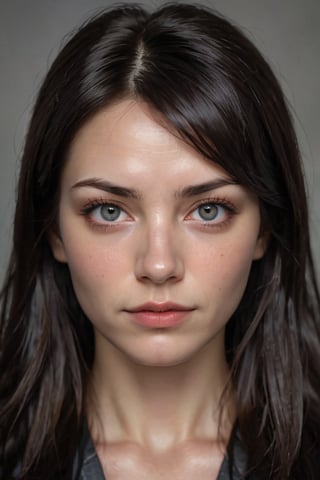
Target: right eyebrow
{"points": [[109, 187]]}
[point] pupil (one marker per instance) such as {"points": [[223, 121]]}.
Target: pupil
{"points": [[110, 212], [208, 212]]}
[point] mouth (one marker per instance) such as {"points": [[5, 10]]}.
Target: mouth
{"points": [[159, 315]]}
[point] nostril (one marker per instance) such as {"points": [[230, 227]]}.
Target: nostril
{"points": [[149, 268]]}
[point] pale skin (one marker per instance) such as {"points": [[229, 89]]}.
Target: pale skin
{"points": [[153, 409]]}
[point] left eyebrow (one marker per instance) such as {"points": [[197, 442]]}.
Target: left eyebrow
{"points": [[193, 190]]}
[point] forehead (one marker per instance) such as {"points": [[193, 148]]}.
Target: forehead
{"points": [[129, 141]]}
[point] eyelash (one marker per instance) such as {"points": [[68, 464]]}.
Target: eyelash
{"points": [[228, 206], [91, 205]]}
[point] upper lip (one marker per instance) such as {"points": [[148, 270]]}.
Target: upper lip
{"points": [[159, 307]]}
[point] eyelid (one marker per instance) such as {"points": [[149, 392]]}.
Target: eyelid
{"points": [[222, 202], [100, 202], [96, 203], [229, 208]]}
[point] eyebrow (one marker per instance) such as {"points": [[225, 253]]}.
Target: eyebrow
{"points": [[109, 187], [194, 190], [186, 192]]}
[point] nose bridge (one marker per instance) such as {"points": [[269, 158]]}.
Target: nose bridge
{"points": [[159, 258]]}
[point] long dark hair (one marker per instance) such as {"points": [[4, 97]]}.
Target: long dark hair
{"points": [[214, 90]]}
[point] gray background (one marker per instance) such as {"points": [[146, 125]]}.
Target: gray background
{"points": [[32, 31]]}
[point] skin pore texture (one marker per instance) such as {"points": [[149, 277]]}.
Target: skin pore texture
{"points": [[132, 230]]}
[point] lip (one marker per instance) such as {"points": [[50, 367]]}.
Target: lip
{"points": [[159, 315]]}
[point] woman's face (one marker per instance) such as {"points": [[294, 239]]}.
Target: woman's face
{"points": [[159, 241]]}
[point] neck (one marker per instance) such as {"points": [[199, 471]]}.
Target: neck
{"points": [[159, 405]]}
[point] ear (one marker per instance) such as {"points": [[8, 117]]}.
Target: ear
{"points": [[57, 247], [261, 245]]}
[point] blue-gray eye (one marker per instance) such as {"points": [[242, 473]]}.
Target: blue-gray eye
{"points": [[208, 211], [110, 213]]}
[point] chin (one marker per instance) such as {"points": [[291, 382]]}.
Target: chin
{"points": [[164, 355], [160, 363]]}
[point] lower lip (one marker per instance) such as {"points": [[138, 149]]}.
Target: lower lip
{"points": [[170, 318]]}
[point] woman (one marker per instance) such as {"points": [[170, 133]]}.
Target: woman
{"points": [[160, 316]]}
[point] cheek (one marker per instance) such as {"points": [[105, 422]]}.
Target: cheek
{"points": [[94, 269], [226, 269], [235, 264]]}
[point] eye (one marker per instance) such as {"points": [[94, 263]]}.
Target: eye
{"points": [[208, 211], [104, 213], [212, 212], [110, 213]]}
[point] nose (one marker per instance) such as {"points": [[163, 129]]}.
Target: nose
{"points": [[159, 258]]}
